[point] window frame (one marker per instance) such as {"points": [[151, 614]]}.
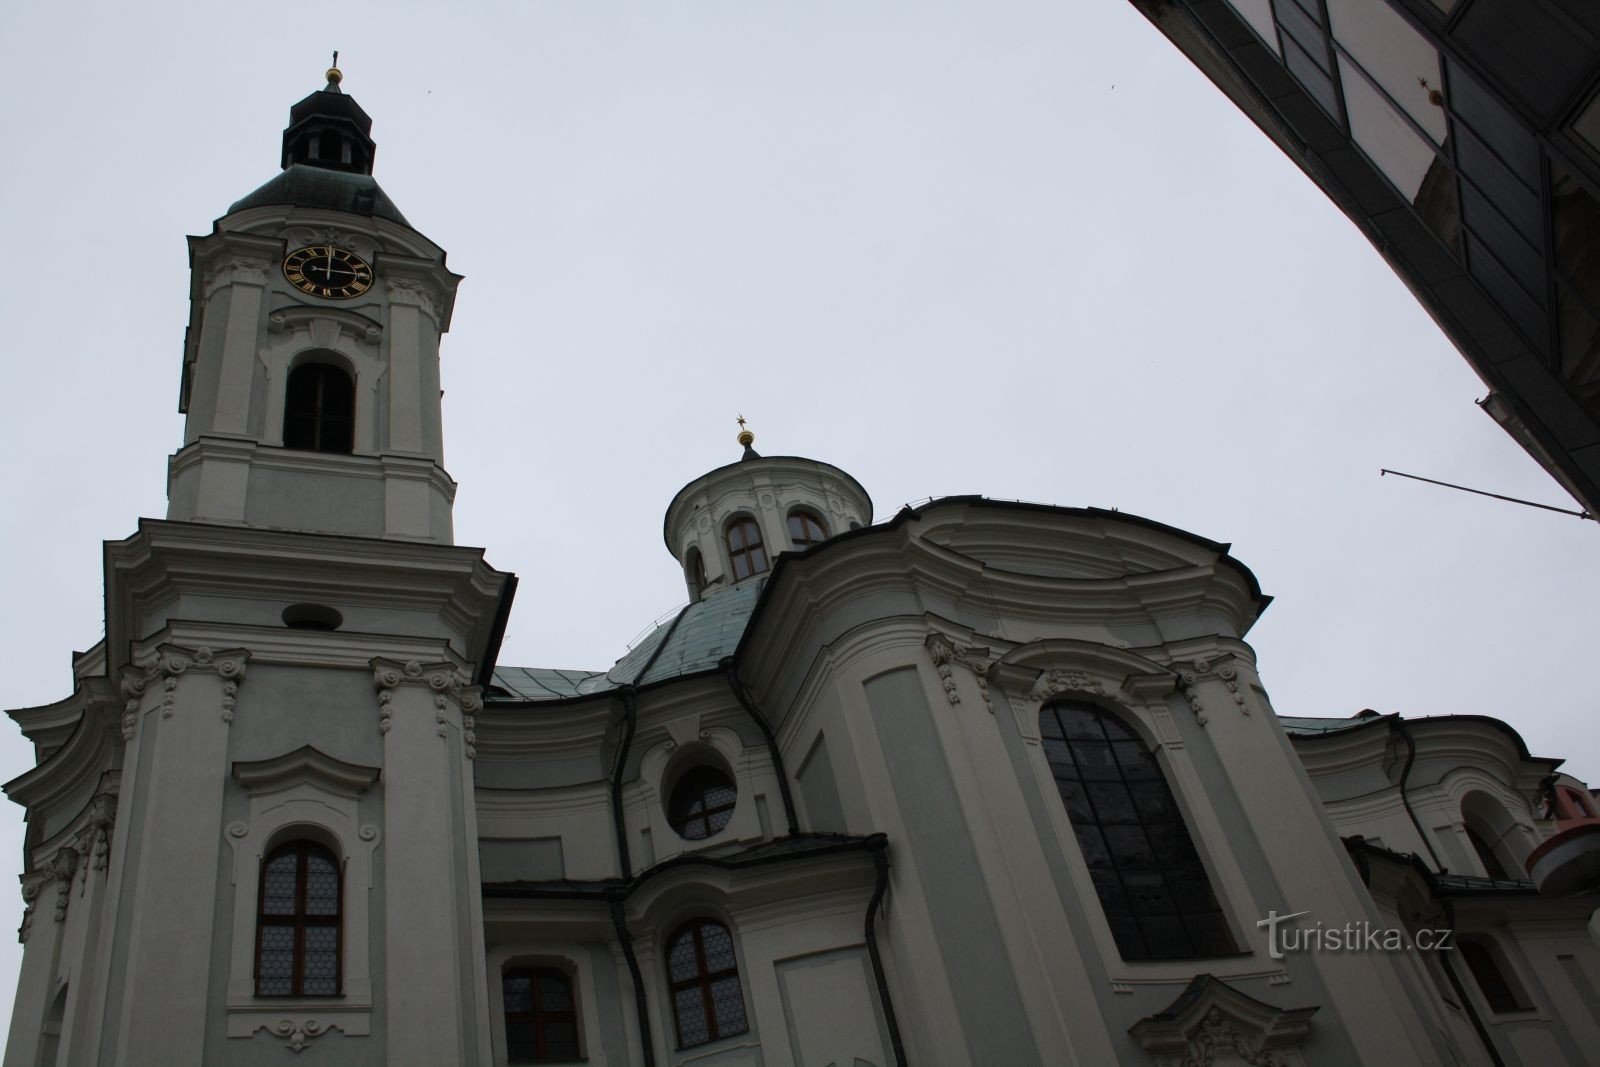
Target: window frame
{"points": [[707, 813], [320, 421], [537, 1018], [803, 541], [1172, 877], [703, 980], [744, 555], [301, 918]]}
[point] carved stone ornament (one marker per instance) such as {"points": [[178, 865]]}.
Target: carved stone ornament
{"points": [[235, 270], [170, 663], [63, 865], [447, 683], [1211, 1023], [1202, 671], [31, 886], [416, 293], [299, 1034], [946, 653]]}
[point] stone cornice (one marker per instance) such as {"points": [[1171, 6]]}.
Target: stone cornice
{"points": [[167, 559], [93, 749]]}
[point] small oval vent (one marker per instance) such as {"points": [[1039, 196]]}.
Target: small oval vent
{"points": [[312, 617]]}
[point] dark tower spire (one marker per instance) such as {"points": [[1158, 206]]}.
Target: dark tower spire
{"points": [[329, 130]]}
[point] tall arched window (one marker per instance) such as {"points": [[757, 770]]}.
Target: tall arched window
{"points": [[806, 529], [707, 1003], [319, 409], [745, 551], [1151, 883], [297, 922], [541, 1016], [1494, 977], [696, 566]]}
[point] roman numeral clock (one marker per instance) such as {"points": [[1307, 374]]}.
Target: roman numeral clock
{"points": [[327, 271]]}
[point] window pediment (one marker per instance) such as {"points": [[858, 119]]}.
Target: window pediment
{"points": [[307, 765]]}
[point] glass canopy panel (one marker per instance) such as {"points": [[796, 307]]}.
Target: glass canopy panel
{"points": [[1258, 14], [1402, 63]]}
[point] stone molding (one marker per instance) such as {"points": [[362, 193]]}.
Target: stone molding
{"points": [[447, 683], [170, 663]]}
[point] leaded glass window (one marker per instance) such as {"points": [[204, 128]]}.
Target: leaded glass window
{"points": [[541, 1016], [707, 1003], [1152, 886], [701, 803], [297, 922], [805, 530], [745, 550]]}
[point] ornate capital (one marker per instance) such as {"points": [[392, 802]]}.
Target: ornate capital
{"points": [[170, 663], [1205, 670], [32, 884], [413, 292], [945, 653], [235, 270], [446, 681]]}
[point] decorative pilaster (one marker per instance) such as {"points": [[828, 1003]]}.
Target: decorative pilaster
{"points": [[428, 839], [1205, 670]]}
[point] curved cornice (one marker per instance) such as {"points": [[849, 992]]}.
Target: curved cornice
{"points": [[730, 472], [94, 747]]}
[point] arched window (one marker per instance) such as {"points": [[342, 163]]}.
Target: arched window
{"points": [[701, 803], [806, 529], [1151, 883], [707, 1003], [541, 1016], [745, 550], [697, 572], [319, 409], [1486, 856], [297, 922], [1489, 970]]}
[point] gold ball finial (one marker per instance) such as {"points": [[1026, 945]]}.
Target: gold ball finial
{"points": [[335, 75], [746, 438]]}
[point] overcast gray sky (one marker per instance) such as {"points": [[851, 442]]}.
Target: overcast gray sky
{"points": [[1014, 248]]}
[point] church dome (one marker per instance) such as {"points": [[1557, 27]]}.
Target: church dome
{"points": [[728, 525], [327, 159]]}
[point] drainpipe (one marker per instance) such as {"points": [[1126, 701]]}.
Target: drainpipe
{"points": [[731, 669], [630, 722], [1399, 726], [640, 1005], [880, 861]]}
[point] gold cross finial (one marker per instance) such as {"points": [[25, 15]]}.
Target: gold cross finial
{"points": [[335, 76], [740, 421], [746, 438]]}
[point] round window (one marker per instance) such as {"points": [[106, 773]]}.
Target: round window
{"points": [[701, 803]]}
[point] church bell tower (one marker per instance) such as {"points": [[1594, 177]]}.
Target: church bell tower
{"points": [[311, 364], [251, 828]]}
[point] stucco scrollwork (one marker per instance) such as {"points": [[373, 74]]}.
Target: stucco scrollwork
{"points": [[32, 884], [170, 663], [447, 682], [235, 270], [1202, 671], [1217, 1035], [63, 866], [416, 293], [945, 654], [299, 1033]]}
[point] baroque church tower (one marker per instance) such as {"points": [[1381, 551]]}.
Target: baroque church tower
{"points": [[251, 822]]}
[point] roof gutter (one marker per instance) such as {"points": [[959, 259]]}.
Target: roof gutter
{"points": [[880, 861], [1398, 726]]}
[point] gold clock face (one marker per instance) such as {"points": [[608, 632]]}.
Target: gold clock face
{"points": [[327, 271]]}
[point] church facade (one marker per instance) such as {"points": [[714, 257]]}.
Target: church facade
{"points": [[982, 783]]}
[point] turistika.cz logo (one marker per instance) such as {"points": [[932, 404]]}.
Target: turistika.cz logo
{"points": [[1360, 936]]}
